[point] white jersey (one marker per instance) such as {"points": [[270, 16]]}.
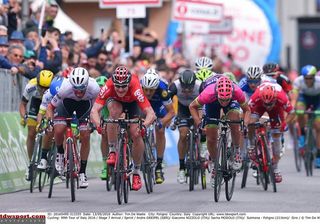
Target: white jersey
{"points": [[31, 90], [46, 99], [66, 92], [300, 85]]}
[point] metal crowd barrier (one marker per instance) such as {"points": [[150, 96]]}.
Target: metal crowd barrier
{"points": [[11, 89]]}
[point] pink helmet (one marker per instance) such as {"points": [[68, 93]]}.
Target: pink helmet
{"points": [[121, 76], [224, 88], [268, 94]]}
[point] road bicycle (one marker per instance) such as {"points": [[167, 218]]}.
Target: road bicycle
{"points": [[123, 165]]}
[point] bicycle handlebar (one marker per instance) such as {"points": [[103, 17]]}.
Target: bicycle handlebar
{"points": [[309, 112]]}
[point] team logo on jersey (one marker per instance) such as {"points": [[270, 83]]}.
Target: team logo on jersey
{"points": [[164, 93], [103, 91], [139, 95]]}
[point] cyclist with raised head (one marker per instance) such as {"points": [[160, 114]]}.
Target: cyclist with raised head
{"points": [[203, 63], [33, 92], [225, 95], [186, 88], [272, 73], [123, 92], [305, 95], [76, 94], [156, 90], [104, 114], [251, 81], [271, 98]]}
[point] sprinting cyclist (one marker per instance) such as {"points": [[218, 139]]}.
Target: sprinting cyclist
{"points": [[225, 95], [203, 62], [270, 98], [123, 92], [156, 90], [33, 92], [251, 81], [203, 74], [76, 94], [305, 95], [186, 88]]}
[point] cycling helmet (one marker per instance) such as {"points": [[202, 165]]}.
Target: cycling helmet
{"points": [[121, 76], [268, 94], [44, 78], [151, 79], [270, 68], [101, 80], [308, 70], [187, 78], [224, 88], [55, 85], [203, 62], [79, 78], [254, 72], [203, 74], [231, 76], [66, 72]]}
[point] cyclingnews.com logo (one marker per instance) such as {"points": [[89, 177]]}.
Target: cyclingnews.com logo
{"points": [[22, 218]]}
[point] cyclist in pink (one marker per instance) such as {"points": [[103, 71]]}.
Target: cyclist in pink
{"points": [[225, 95], [271, 98]]}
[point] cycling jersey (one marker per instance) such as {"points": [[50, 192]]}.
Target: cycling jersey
{"points": [[160, 99], [210, 80], [300, 86], [134, 94], [31, 90], [184, 98], [276, 112], [66, 92], [50, 93]]}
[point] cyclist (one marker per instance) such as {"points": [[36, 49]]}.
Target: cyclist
{"points": [[47, 97], [226, 95], [186, 88], [306, 94], [156, 90], [104, 114], [250, 82], [203, 62], [269, 97], [123, 92], [77, 94], [33, 92], [272, 73]]}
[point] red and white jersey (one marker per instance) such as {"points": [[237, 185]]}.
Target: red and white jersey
{"points": [[134, 94], [282, 102]]}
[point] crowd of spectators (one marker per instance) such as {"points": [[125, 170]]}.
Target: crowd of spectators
{"points": [[25, 50]]}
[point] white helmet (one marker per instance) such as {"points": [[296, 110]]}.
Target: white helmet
{"points": [[79, 78], [204, 62], [151, 79], [254, 72]]}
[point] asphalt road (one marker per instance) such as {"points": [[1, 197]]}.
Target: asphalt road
{"points": [[297, 193]]}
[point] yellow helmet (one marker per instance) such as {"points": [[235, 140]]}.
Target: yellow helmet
{"points": [[44, 78]]}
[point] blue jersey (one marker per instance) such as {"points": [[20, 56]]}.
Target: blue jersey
{"points": [[160, 99], [55, 85], [244, 86]]}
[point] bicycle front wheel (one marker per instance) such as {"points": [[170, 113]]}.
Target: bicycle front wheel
{"points": [[218, 166], [230, 176], [71, 170], [120, 172], [297, 156], [52, 168]]}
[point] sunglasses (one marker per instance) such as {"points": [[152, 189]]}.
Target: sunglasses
{"points": [[80, 88], [17, 55], [309, 78], [120, 86], [269, 104], [224, 100]]}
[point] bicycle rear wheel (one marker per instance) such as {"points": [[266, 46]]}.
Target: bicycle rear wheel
{"points": [[147, 170], [36, 156], [71, 169], [218, 166], [246, 162], [191, 162], [43, 176], [110, 177]]}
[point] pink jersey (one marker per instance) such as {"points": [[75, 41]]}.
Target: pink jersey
{"points": [[209, 95]]}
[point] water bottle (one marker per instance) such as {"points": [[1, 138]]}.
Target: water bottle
{"points": [[74, 125]]}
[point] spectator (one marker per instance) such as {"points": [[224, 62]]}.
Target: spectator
{"points": [[4, 46], [13, 18], [29, 68], [51, 13], [3, 30], [145, 38], [94, 50], [4, 7], [32, 39], [15, 54], [17, 38], [101, 62]]}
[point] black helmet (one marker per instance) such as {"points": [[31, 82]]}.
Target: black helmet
{"points": [[270, 68], [187, 78]]}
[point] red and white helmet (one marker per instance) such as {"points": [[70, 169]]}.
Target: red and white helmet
{"points": [[224, 88], [121, 76], [268, 94]]}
